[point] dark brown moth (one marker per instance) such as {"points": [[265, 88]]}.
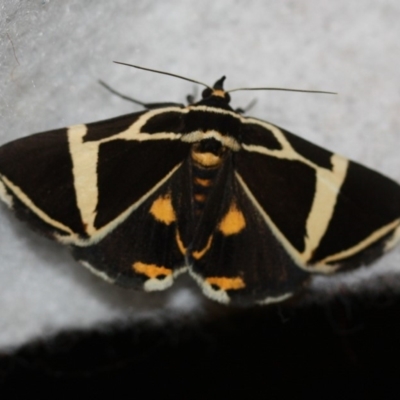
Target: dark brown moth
{"points": [[248, 209]]}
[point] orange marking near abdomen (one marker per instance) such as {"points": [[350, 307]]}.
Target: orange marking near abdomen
{"points": [[151, 270], [202, 182], [180, 244], [201, 198], [200, 253], [226, 283]]}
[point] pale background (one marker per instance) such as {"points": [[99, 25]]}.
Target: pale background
{"points": [[52, 54]]}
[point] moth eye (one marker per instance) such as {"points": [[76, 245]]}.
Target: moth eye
{"points": [[206, 93]]}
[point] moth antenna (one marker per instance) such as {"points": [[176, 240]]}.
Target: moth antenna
{"points": [[164, 73], [281, 89]]}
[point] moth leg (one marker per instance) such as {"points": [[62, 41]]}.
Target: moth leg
{"points": [[191, 98], [244, 110], [149, 106]]}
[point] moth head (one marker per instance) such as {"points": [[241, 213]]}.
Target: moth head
{"points": [[217, 92]]}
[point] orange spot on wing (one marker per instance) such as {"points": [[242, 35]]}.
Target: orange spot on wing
{"points": [[227, 283], [162, 210], [233, 221], [151, 270]]}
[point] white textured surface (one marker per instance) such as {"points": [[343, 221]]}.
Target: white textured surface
{"points": [[53, 53]]}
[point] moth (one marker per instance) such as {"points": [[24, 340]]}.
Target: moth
{"points": [[248, 209]]}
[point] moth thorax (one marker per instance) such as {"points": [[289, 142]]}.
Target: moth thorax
{"points": [[208, 153]]}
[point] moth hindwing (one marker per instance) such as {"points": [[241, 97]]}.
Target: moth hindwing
{"points": [[248, 209]]}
